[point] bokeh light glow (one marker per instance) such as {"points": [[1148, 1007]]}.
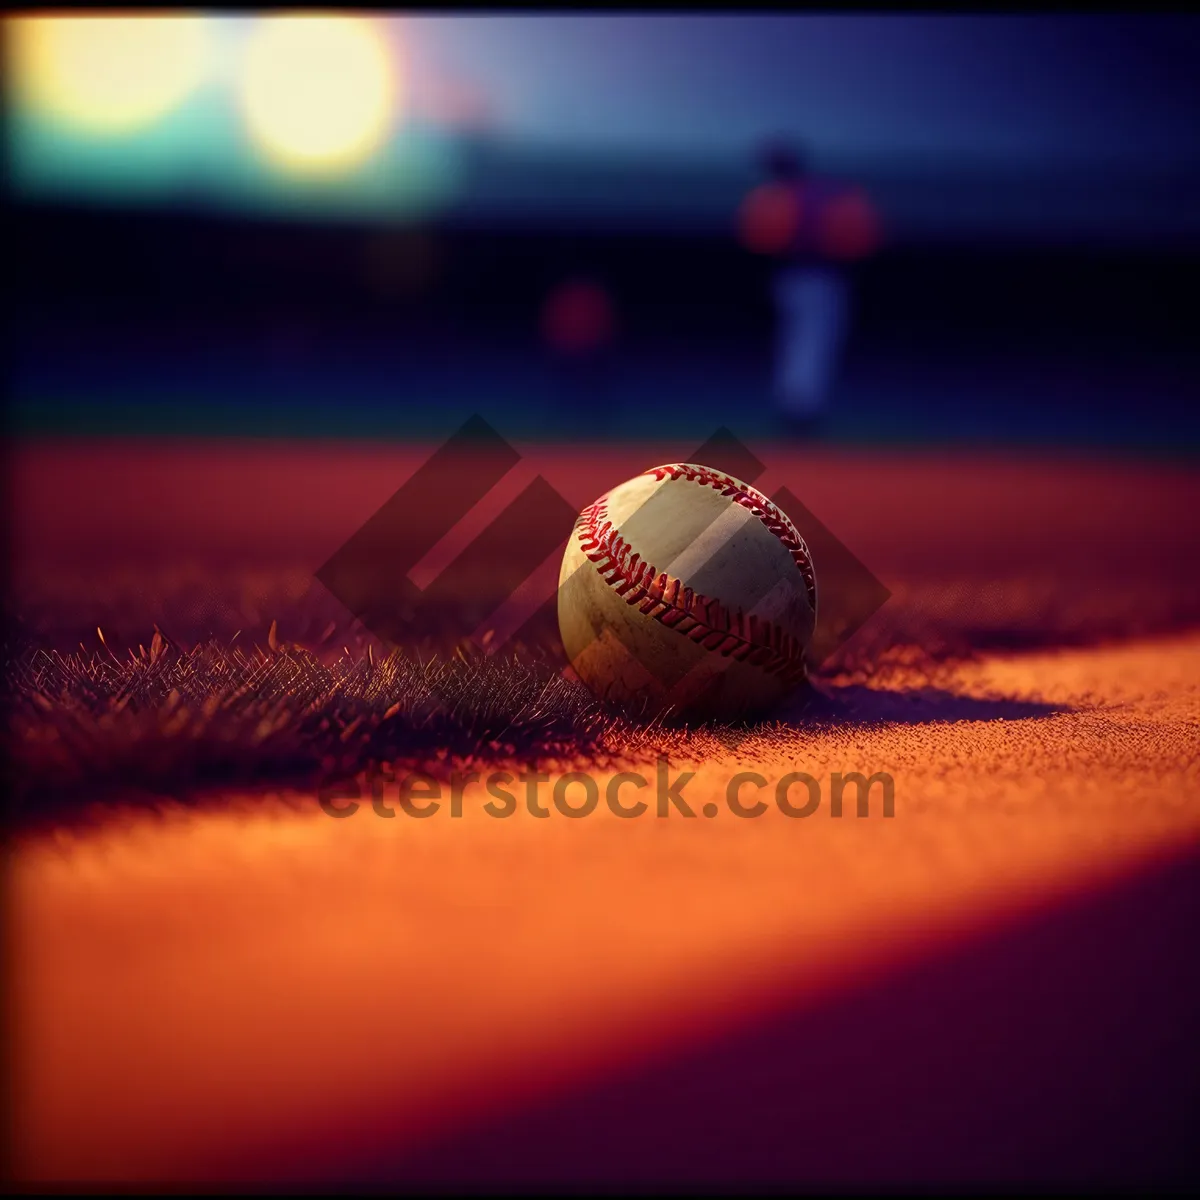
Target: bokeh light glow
{"points": [[769, 219], [578, 317], [319, 93], [851, 228], [109, 75]]}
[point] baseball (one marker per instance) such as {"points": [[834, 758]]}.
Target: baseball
{"points": [[686, 590]]}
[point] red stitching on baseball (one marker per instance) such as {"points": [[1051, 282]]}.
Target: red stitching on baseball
{"points": [[730, 633], [769, 514]]}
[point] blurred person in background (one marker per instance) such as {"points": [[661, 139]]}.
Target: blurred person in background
{"points": [[814, 229]]}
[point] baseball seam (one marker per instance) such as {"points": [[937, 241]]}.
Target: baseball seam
{"points": [[730, 633], [769, 514]]}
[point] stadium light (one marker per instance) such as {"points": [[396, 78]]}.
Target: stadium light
{"points": [[108, 75], [318, 93]]}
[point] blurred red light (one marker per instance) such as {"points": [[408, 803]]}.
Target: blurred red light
{"points": [[850, 228], [770, 218], [578, 317]]}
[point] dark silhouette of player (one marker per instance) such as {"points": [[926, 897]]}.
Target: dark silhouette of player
{"points": [[814, 228]]}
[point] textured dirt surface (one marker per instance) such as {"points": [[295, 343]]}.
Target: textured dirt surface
{"points": [[238, 985]]}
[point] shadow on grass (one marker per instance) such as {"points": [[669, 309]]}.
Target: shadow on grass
{"points": [[169, 723]]}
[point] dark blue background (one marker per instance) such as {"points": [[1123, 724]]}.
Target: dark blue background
{"points": [[1039, 178]]}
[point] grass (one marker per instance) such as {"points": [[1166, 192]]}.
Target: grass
{"points": [[120, 719], [168, 721], [163, 721]]}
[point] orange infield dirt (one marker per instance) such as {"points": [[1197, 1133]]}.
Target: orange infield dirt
{"points": [[997, 983]]}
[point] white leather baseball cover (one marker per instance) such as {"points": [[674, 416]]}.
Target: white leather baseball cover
{"points": [[686, 589]]}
